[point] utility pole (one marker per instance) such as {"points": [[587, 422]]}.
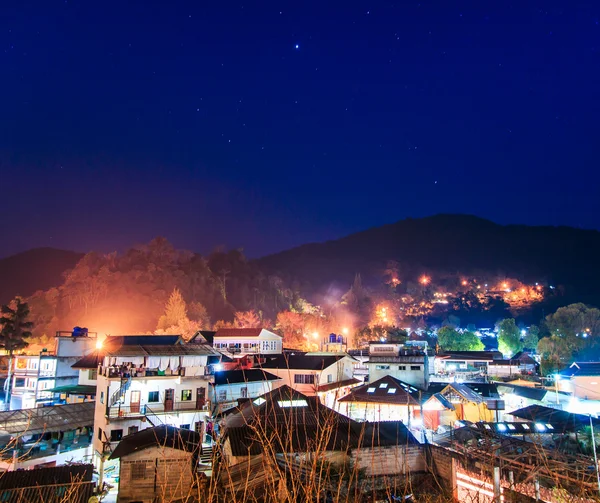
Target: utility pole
{"points": [[595, 455]]}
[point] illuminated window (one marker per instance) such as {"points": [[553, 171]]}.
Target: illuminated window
{"points": [[259, 401], [371, 390], [549, 426], [186, 395], [525, 426], [511, 426], [292, 403], [391, 391], [383, 385], [487, 426], [382, 367]]}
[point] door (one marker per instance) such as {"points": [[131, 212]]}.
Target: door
{"points": [[200, 398], [169, 398], [134, 402]]}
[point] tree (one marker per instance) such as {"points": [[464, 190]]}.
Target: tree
{"points": [[197, 312], [577, 323], [555, 353], [530, 341], [15, 329], [175, 311], [450, 339], [509, 337], [247, 319]]}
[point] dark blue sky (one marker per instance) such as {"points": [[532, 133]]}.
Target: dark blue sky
{"points": [[202, 121]]}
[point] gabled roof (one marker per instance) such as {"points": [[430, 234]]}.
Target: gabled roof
{"points": [[337, 384], [442, 400], [90, 361], [582, 369], [202, 337], [158, 436], [486, 390], [524, 357], [295, 422], [387, 390], [243, 376], [302, 362], [242, 332], [464, 391]]}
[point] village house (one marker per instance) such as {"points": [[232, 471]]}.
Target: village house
{"points": [[387, 399], [326, 375], [85, 389], [230, 386], [158, 464], [457, 402], [35, 376], [238, 342], [465, 364], [148, 381], [297, 427], [581, 380], [409, 364]]}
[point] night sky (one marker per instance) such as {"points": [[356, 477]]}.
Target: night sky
{"points": [[270, 124]]}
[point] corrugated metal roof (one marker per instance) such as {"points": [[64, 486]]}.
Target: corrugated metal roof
{"points": [[46, 419], [380, 392], [90, 361], [302, 362], [242, 376], [163, 435]]}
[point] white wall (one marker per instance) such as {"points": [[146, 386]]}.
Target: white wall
{"points": [[234, 392]]}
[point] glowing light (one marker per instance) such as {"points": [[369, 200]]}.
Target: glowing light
{"points": [[523, 332], [315, 335], [98, 344], [218, 367], [540, 427], [424, 280], [464, 282], [297, 46], [505, 285], [345, 331], [501, 427]]}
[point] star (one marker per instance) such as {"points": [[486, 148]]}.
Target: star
{"points": [[297, 46]]}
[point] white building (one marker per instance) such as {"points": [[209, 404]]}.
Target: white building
{"points": [[581, 380], [34, 375], [146, 381], [325, 375], [229, 386], [239, 342], [407, 364]]}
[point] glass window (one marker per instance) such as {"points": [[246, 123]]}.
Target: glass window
{"points": [[185, 426], [371, 390], [92, 374], [329, 378], [19, 382], [132, 429], [153, 396], [304, 379], [401, 367], [186, 395], [415, 367], [102, 397], [116, 435]]}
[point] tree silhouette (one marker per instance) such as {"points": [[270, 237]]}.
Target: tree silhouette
{"points": [[14, 332]]}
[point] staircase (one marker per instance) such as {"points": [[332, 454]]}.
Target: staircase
{"points": [[119, 395], [206, 458], [152, 418]]}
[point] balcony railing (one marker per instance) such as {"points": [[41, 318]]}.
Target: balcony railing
{"points": [[140, 372], [127, 411]]}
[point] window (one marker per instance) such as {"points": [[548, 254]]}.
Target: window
{"points": [[21, 364], [102, 397], [382, 367], [138, 471], [370, 390], [383, 385], [222, 397], [92, 374], [152, 396], [415, 367], [511, 426], [401, 367], [185, 426], [391, 391], [132, 429], [525, 426], [244, 392], [304, 379], [33, 364], [19, 382], [116, 435], [259, 401], [99, 433], [329, 378], [292, 403], [186, 395]]}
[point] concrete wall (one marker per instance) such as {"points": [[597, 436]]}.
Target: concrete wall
{"points": [[418, 378]]}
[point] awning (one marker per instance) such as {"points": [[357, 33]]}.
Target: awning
{"points": [[74, 389]]}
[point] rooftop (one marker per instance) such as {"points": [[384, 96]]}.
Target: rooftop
{"points": [[582, 369], [153, 345], [242, 332], [90, 361], [243, 376], [158, 436], [302, 362], [388, 390]]}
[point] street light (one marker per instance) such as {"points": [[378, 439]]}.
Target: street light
{"points": [[424, 280], [345, 331], [315, 335]]}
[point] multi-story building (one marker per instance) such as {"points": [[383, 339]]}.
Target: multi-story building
{"points": [[147, 381], [405, 363], [328, 376], [35, 376], [231, 386]]}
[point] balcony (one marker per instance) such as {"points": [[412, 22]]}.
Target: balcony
{"points": [[128, 412], [144, 373]]}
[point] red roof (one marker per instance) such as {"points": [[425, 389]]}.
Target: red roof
{"points": [[238, 332]]}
